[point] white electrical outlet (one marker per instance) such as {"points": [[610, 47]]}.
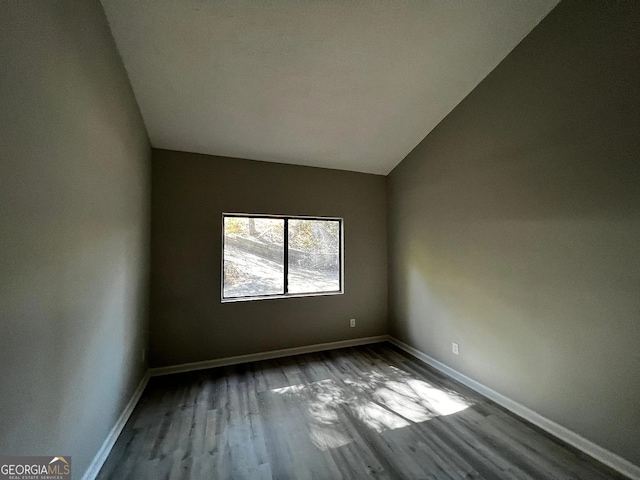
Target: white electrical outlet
{"points": [[352, 322], [454, 348]]}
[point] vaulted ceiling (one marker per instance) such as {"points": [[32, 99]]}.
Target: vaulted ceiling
{"points": [[352, 85]]}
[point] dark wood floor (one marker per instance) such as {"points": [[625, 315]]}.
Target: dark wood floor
{"points": [[364, 412]]}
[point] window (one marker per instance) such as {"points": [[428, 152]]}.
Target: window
{"points": [[278, 256]]}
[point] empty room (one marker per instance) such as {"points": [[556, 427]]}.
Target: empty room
{"points": [[324, 239]]}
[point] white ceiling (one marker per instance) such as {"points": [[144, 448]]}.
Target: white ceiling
{"points": [[352, 85]]}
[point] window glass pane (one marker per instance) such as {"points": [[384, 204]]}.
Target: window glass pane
{"points": [[314, 256], [253, 256]]}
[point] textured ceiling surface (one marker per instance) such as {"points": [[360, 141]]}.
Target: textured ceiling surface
{"points": [[351, 85]]}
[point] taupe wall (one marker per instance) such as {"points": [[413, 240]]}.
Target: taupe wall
{"points": [[514, 227], [189, 194], [74, 161]]}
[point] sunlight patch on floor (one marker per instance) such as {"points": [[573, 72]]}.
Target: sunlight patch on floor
{"points": [[382, 402], [378, 418]]}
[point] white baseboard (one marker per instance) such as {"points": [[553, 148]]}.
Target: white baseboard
{"points": [[601, 454], [253, 357], [105, 449]]}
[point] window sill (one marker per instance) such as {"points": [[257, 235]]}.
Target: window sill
{"points": [[275, 297]]}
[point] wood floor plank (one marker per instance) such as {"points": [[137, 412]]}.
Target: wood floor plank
{"points": [[361, 412]]}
